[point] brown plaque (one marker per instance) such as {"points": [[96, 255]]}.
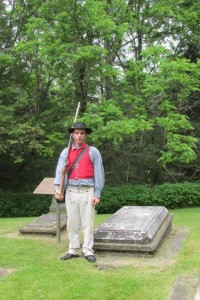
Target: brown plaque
{"points": [[46, 187]]}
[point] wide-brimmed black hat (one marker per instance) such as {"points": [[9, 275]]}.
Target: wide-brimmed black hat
{"points": [[80, 125]]}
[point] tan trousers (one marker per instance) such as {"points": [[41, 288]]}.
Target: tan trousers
{"points": [[80, 216]]}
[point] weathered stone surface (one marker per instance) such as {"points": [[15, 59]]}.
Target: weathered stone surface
{"points": [[185, 288], [55, 205], [132, 224], [133, 228], [45, 224], [197, 294], [162, 260]]}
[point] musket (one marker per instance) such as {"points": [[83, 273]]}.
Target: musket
{"points": [[64, 171]]}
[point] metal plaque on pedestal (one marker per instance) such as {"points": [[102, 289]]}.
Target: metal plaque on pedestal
{"points": [[47, 223]]}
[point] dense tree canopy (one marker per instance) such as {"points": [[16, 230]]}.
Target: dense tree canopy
{"points": [[133, 65]]}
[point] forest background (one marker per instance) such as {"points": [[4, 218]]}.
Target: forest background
{"points": [[133, 65]]}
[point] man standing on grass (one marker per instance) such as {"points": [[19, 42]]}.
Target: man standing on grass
{"points": [[83, 189]]}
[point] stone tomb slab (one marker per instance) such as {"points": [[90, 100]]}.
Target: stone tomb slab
{"points": [[185, 288], [134, 229], [45, 224]]}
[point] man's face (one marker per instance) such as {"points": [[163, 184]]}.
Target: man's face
{"points": [[79, 136]]}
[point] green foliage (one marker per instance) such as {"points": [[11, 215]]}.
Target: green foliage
{"points": [[113, 198], [180, 148], [169, 195], [112, 124], [164, 92], [123, 60], [23, 204], [177, 195]]}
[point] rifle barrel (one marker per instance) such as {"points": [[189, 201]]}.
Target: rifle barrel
{"points": [[62, 184]]}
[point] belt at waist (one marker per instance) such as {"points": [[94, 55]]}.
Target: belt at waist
{"points": [[79, 188]]}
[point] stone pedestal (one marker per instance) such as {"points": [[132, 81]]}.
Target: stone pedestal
{"points": [[134, 229]]}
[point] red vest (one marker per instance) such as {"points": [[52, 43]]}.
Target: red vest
{"points": [[84, 169]]}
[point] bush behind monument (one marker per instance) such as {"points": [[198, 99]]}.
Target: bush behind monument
{"points": [[178, 195]]}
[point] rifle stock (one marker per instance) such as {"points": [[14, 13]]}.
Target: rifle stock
{"points": [[60, 195]]}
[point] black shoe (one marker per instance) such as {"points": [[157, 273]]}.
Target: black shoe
{"points": [[69, 256], [90, 258]]}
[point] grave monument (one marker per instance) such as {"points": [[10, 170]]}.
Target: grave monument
{"points": [[137, 229]]}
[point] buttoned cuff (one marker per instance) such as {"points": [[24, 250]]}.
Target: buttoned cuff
{"points": [[57, 187]]}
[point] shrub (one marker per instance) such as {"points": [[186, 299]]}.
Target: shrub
{"points": [[113, 198], [177, 195], [23, 204], [169, 195]]}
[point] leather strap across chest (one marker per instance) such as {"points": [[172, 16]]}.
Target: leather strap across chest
{"points": [[77, 160]]}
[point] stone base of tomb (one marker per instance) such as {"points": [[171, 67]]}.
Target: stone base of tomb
{"points": [[134, 229]]}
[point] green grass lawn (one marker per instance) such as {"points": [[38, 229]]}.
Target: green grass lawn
{"points": [[38, 272]]}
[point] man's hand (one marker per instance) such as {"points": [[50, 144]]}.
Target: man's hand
{"points": [[59, 196], [95, 201]]}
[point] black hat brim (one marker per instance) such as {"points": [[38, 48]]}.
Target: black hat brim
{"points": [[87, 130]]}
